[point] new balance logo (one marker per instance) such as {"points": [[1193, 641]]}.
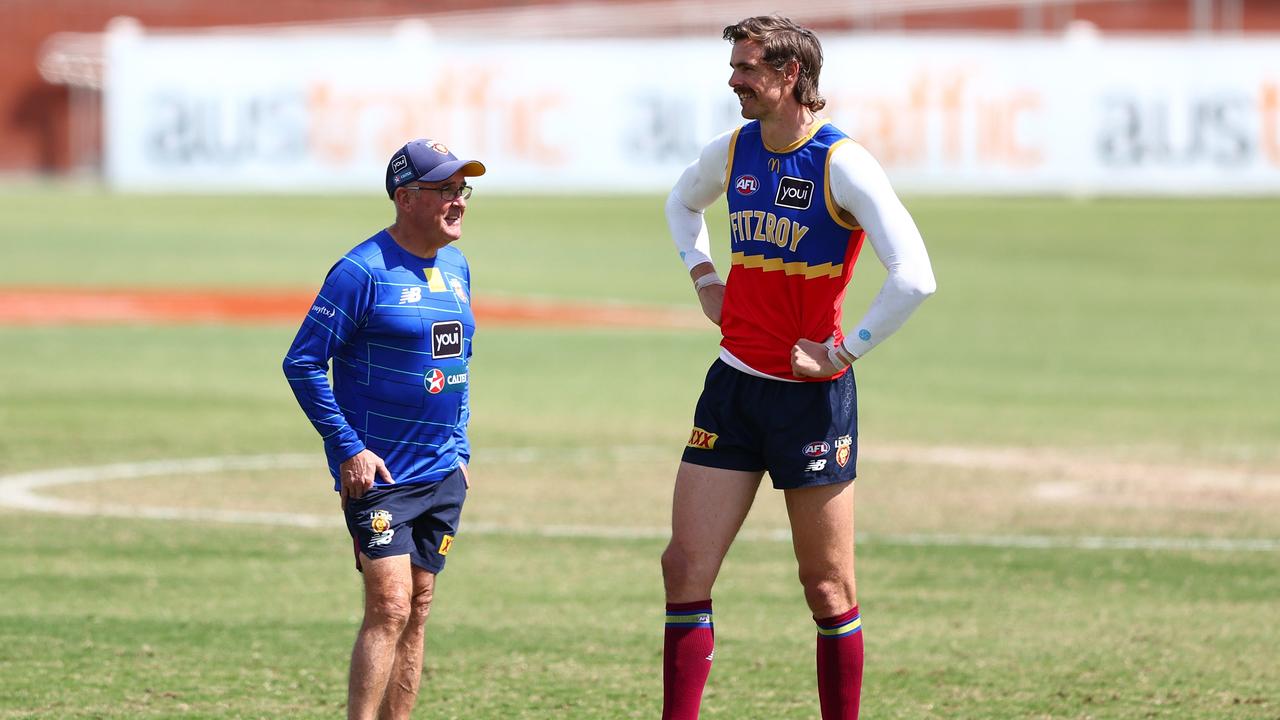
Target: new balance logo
{"points": [[816, 465], [410, 295]]}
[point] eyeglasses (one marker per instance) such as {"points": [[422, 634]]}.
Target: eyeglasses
{"points": [[447, 193]]}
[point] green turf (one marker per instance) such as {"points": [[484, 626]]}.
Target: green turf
{"points": [[1135, 330]]}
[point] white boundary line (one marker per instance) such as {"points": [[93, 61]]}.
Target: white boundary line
{"points": [[19, 491]]}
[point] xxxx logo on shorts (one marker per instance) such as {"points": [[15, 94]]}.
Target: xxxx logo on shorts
{"points": [[844, 449], [445, 543], [702, 440]]}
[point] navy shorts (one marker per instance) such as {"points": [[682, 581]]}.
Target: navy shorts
{"points": [[418, 520], [804, 434]]}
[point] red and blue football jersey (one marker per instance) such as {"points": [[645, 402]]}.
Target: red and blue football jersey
{"points": [[793, 249]]}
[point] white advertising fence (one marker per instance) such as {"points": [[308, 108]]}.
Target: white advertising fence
{"points": [[944, 114]]}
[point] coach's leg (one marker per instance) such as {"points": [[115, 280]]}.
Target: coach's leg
{"points": [[822, 535], [406, 673], [707, 511], [388, 586]]}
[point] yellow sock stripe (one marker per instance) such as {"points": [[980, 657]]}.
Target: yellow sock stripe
{"points": [[696, 618], [845, 629], [792, 268]]}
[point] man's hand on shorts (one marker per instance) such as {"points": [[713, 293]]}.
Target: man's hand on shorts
{"points": [[712, 299], [810, 359], [357, 474]]}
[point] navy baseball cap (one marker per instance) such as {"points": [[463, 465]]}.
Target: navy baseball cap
{"points": [[427, 160]]}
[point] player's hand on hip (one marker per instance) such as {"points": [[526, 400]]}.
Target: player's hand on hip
{"points": [[358, 473], [810, 359], [711, 298]]}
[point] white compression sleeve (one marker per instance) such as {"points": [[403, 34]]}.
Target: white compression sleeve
{"points": [[699, 186], [860, 186]]}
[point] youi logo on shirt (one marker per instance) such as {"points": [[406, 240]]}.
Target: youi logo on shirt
{"points": [[794, 193], [446, 339]]}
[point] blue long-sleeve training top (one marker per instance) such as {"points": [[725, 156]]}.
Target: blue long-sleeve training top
{"points": [[398, 330]]}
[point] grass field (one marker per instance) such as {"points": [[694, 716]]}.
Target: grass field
{"points": [[1089, 372]]}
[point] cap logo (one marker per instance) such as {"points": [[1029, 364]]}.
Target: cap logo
{"points": [[399, 163], [438, 147]]}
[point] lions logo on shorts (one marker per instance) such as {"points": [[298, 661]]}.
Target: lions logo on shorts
{"points": [[844, 449], [380, 524]]}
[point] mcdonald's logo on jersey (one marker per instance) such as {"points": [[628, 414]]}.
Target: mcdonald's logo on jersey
{"points": [[774, 164]]}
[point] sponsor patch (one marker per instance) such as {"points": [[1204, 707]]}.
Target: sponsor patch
{"points": [[445, 543], [816, 465], [817, 449], [438, 147], [774, 164], [794, 193], [410, 295], [746, 185], [448, 378], [702, 440], [400, 163], [446, 339], [322, 310], [435, 381], [864, 334]]}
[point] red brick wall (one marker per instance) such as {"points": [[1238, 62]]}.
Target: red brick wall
{"points": [[34, 114]]}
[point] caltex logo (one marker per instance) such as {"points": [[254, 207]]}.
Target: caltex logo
{"points": [[435, 381]]}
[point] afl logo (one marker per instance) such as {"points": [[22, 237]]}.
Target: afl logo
{"points": [[817, 449], [747, 185], [435, 381]]}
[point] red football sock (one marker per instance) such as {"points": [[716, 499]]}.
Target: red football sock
{"points": [[686, 658], [840, 665]]}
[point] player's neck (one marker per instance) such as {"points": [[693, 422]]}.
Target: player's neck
{"points": [[414, 243], [787, 125]]}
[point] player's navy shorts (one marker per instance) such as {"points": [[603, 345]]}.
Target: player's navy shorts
{"points": [[418, 520], [803, 433]]}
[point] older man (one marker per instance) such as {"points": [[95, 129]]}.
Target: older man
{"points": [[394, 314]]}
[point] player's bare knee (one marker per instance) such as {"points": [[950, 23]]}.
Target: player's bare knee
{"points": [[420, 604], [828, 593], [675, 563], [391, 611], [682, 573]]}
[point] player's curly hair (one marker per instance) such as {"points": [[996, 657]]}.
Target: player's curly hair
{"points": [[784, 41]]}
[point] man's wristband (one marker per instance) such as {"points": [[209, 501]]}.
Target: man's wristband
{"points": [[710, 278], [840, 357]]}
